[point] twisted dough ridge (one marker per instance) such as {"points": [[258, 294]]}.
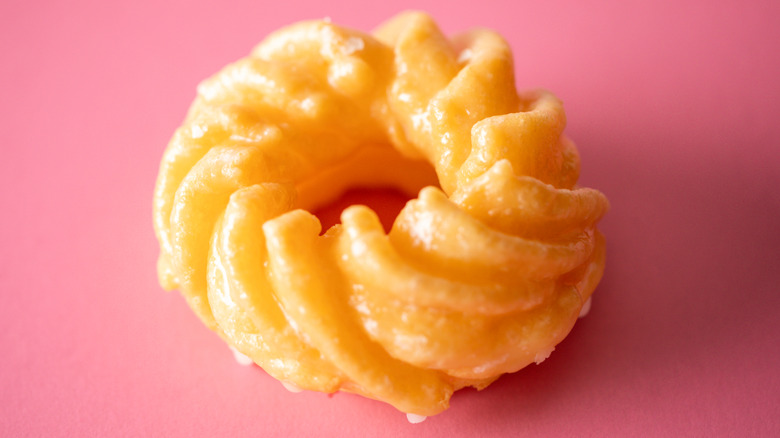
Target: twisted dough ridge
{"points": [[482, 274]]}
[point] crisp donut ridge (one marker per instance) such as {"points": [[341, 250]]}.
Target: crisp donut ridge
{"points": [[483, 273]]}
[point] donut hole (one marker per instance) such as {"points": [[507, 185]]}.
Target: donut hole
{"points": [[387, 202], [376, 176]]}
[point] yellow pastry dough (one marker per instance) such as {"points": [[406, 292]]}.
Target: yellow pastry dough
{"points": [[482, 274]]}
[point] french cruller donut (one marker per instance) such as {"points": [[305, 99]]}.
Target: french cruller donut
{"points": [[483, 273]]}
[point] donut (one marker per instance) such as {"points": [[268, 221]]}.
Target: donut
{"points": [[483, 272]]}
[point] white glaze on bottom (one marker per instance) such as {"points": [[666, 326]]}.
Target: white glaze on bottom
{"points": [[414, 418]]}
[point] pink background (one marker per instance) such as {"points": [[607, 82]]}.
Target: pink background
{"points": [[674, 106]]}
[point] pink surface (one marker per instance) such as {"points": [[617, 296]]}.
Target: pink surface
{"points": [[675, 109]]}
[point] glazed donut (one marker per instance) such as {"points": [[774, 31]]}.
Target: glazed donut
{"points": [[482, 274]]}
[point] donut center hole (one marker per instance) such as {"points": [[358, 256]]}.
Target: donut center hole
{"points": [[387, 202], [376, 176]]}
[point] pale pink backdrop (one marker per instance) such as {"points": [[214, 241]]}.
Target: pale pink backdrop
{"points": [[675, 108]]}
